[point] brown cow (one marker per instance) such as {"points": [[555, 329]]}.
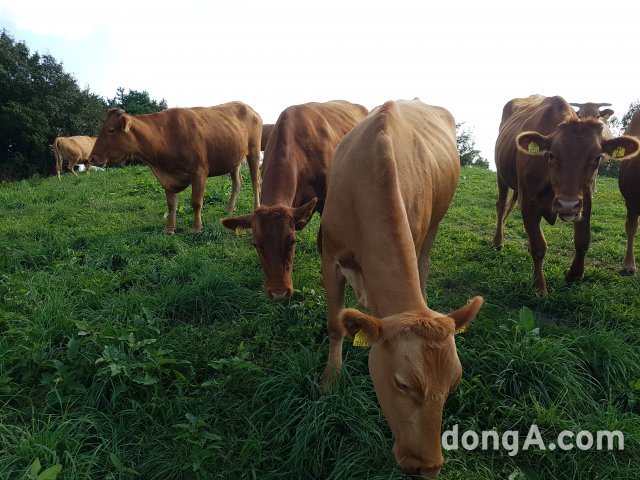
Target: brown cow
{"points": [[72, 149], [184, 146], [266, 133], [295, 164], [629, 181], [549, 157], [391, 181]]}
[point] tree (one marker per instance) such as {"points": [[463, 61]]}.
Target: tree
{"points": [[38, 102], [469, 154], [136, 103]]}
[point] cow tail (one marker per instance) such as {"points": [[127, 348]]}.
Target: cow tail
{"points": [[56, 153]]}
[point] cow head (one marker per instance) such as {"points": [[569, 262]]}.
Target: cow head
{"points": [[115, 143], [274, 236], [592, 110], [572, 155], [414, 366]]}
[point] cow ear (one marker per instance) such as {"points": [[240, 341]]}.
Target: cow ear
{"points": [[303, 213], [533, 143], [125, 123], [463, 316], [606, 113], [355, 321], [621, 148], [112, 111], [236, 223]]}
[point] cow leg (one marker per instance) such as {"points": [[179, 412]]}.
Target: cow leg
{"points": [[197, 197], [71, 165], [631, 228], [172, 204], [236, 181], [334, 287], [581, 241], [319, 209], [319, 240], [501, 204], [253, 159], [537, 245], [424, 260], [512, 203]]}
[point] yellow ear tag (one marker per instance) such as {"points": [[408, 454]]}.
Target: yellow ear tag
{"points": [[360, 339], [241, 230], [618, 152], [533, 147], [461, 330]]}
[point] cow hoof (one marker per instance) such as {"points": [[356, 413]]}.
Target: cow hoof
{"points": [[569, 277], [169, 231], [628, 271], [196, 230], [497, 248]]}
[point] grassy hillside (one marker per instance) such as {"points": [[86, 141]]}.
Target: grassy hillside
{"points": [[126, 353]]}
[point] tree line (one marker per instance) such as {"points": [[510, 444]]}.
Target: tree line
{"points": [[40, 101]]}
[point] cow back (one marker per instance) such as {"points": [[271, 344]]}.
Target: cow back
{"points": [[391, 180], [77, 147], [300, 148], [227, 132]]}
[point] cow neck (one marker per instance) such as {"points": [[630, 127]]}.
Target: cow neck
{"points": [[149, 141], [281, 182], [392, 281]]}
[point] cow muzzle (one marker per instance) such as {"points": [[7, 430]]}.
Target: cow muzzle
{"points": [[415, 467], [568, 210], [93, 160], [284, 293]]}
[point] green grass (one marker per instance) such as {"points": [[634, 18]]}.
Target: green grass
{"points": [[126, 353]]}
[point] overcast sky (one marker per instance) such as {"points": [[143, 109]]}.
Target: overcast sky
{"points": [[470, 57]]}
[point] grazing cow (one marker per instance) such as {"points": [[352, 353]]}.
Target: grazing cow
{"points": [[391, 181], [72, 149], [266, 133], [549, 157], [629, 182], [294, 168], [184, 146]]}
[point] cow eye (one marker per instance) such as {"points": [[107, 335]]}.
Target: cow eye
{"points": [[111, 130], [400, 385]]}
